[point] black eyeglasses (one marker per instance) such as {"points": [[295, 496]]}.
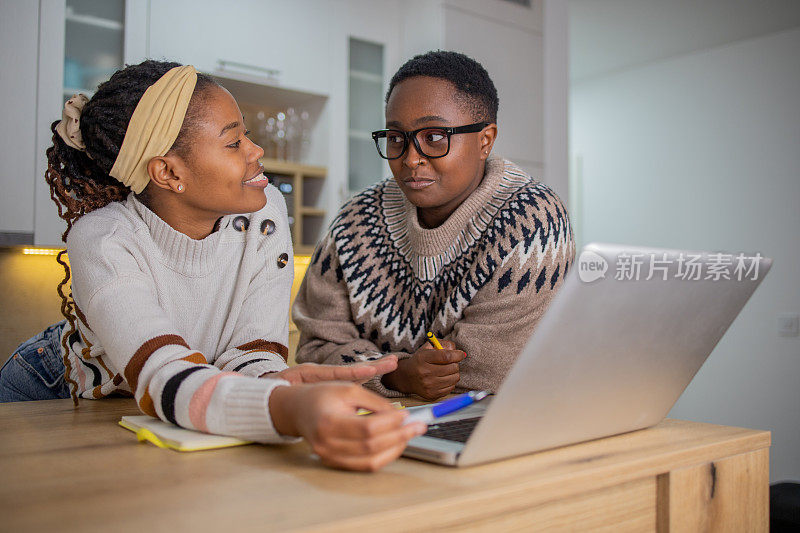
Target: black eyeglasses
{"points": [[431, 142]]}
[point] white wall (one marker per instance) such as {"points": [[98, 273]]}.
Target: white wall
{"points": [[703, 151]]}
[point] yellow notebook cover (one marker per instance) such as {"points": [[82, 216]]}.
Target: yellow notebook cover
{"points": [[166, 435]]}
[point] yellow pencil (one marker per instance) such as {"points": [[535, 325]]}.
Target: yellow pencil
{"points": [[434, 341]]}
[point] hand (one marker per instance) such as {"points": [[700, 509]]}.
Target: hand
{"points": [[428, 373], [325, 415], [359, 372]]}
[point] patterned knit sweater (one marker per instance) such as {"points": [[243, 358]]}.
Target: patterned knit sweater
{"points": [[378, 281], [184, 325]]}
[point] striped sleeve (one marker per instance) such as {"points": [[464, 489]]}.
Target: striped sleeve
{"points": [[255, 358], [169, 379]]}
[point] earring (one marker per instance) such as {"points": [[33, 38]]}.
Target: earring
{"points": [[180, 188]]}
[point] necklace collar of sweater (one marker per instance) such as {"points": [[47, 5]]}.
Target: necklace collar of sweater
{"points": [[428, 250], [179, 251], [435, 240]]}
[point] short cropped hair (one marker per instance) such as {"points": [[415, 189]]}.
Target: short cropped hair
{"points": [[475, 88]]}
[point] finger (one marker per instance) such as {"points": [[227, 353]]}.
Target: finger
{"points": [[357, 372], [313, 373], [442, 392], [370, 462], [443, 382], [289, 375], [359, 397], [374, 445], [448, 345], [368, 426], [443, 357], [363, 464], [384, 365], [439, 371]]}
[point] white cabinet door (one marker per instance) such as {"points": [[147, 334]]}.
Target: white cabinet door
{"points": [[291, 38], [48, 226], [19, 32], [513, 56]]}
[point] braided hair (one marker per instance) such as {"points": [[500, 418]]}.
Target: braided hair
{"points": [[80, 181]]}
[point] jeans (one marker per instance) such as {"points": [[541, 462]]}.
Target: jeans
{"points": [[36, 370]]}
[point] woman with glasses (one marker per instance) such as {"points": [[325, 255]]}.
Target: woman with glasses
{"points": [[458, 242]]}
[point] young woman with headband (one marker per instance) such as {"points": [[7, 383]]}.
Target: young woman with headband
{"points": [[181, 266]]}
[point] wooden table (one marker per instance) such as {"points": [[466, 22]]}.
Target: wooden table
{"points": [[67, 470]]}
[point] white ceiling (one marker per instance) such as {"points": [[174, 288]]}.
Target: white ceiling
{"points": [[612, 35]]}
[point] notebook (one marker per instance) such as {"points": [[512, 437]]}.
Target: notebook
{"points": [[166, 435]]}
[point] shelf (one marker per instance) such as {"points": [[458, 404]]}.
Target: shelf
{"points": [[308, 182], [263, 90], [97, 22], [278, 166]]}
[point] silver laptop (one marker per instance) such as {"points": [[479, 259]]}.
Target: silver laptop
{"points": [[621, 340]]}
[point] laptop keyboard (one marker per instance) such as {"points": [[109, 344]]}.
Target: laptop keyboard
{"points": [[457, 430]]}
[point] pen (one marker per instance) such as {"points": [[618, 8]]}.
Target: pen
{"points": [[446, 407], [434, 341]]}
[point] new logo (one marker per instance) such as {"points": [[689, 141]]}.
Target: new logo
{"points": [[591, 266]]}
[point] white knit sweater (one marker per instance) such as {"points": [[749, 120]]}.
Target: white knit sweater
{"points": [[185, 325]]}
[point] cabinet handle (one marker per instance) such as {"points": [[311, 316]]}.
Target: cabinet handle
{"points": [[226, 65]]}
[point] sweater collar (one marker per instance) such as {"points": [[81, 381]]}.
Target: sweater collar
{"points": [[179, 251], [436, 240], [429, 250]]}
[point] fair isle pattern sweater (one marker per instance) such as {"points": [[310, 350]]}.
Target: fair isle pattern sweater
{"points": [[185, 325], [378, 281]]}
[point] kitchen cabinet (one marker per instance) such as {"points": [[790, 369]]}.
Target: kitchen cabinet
{"points": [[270, 55], [35, 38], [283, 42], [19, 37]]}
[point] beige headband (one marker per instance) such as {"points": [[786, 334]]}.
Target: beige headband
{"points": [[154, 126]]}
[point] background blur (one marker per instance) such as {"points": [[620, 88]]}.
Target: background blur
{"points": [[669, 123]]}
